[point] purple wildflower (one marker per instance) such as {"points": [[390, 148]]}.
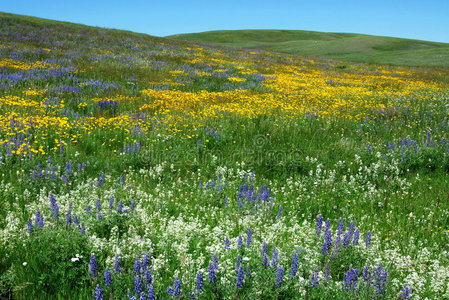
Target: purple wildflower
{"points": [[368, 239], [117, 264], [227, 243], [39, 219], [137, 266], [249, 237], [405, 293], [279, 275], [274, 257], [93, 266], [107, 277], [340, 227], [137, 285], [240, 277], [151, 295], [29, 226], [239, 242], [199, 282], [98, 294], [356, 237], [148, 277], [295, 264], [211, 274], [319, 225], [314, 281]]}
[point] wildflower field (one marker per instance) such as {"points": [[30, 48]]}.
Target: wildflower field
{"points": [[136, 167]]}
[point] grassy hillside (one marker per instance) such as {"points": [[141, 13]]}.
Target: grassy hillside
{"points": [[345, 46], [136, 167]]}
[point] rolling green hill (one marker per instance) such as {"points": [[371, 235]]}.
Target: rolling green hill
{"points": [[345, 46]]}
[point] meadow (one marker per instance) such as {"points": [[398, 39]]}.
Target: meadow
{"points": [[345, 46], [137, 167]]}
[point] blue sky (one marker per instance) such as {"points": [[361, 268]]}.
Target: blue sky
{"points": [[426, 20]]}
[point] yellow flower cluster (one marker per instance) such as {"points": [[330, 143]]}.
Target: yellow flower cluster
{"points": [[16, 64]]}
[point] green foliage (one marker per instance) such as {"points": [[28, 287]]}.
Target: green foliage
{"points": [[44, 263]]}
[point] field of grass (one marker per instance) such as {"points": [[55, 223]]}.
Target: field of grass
{"points": [[344, 46], [136, 167]]}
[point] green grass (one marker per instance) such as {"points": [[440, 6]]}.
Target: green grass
{"points": [[344, 46]]}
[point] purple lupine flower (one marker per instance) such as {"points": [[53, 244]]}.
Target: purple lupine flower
{"points": [[240, 277], [338, 243], [340, 227], [137, 285], [328, 242], [368, 239], [88, 210], [274, 257], [295, 264], [211, 274], [69, 216], [227, 243], [264, 248], [98, 294], [76, 220], [346, 239], [265, 260], [61, 148], [351, 228], [148, 277], [238, 262], [143, 296], [100, 217], [199, 282], [133, 204], [39, 219], [137, 266], [366, 275], [240, 204], [120, 207], [151, 295], [82, 230], [29, 226], [111, 203], [107, 277], [145, 261], [248, 271], [327, 274], [279, 276], [249, 237], [215, 259], [279, 212], [54, 206], [319, 225], [356, 237], [314, 281], [117, 264], [226, 201], [381, 279], [328, 224], [93, 266], [351, 279], [98, 205], [177, 287], [239, 242], [405, 293]]}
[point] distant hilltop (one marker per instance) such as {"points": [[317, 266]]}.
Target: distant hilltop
{"points": [[345, 46]]}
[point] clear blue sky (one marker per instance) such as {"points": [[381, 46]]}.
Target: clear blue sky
{"points": [[418, 19]]}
